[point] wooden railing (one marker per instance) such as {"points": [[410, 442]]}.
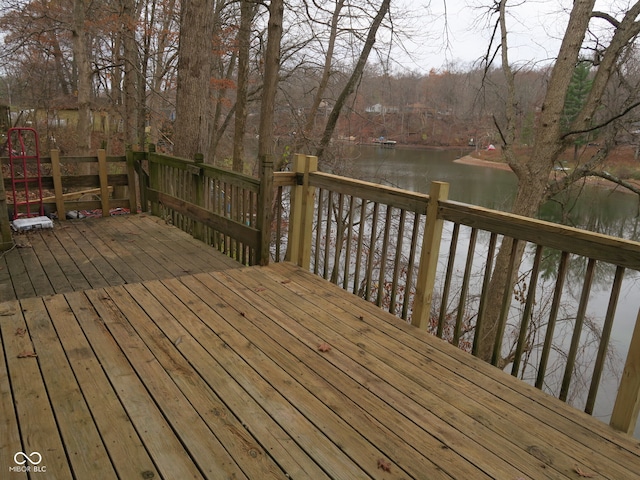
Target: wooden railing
{"points": [[84, 183], [384, 244], [215, 205]]}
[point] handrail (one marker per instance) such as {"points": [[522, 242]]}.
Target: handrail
{"points": [[625, 253]]}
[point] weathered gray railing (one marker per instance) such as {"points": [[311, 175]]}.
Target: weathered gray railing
{"points": [[384, 244]]}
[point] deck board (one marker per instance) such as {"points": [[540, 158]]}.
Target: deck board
{"points": [[217, 374], [100, 252]]}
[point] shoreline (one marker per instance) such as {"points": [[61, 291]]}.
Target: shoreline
{"points": [[469, 160], [594, 181]]}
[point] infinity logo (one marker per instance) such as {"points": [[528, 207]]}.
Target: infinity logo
{"points": [[27, 458]]}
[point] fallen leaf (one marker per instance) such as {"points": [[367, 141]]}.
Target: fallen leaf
{"points": [[178, 341], [324, 347], [285, 281], [260, 289], [582, 473], [27, 354], [384, 465], [20, 332]]}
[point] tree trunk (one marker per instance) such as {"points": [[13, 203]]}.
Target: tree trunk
{"points": [[533, 171], [193, 102], [324, 80], [159, 71], [131, 72], [80, 51], [270, 83], [247, 12], [265, 142], [353, 80]]}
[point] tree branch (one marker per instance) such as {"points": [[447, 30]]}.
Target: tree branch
{"points": [[612, 178], [603, 124], [607, 17]]}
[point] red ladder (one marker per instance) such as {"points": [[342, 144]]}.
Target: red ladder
{"points": [[26, 175]]}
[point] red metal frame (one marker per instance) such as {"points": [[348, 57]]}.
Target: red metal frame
{"points": [[24, 158]]}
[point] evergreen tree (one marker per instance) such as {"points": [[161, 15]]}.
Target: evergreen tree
{"points": [[577, 93]]}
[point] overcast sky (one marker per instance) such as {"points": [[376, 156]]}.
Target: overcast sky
{"points": [[535, 26]]}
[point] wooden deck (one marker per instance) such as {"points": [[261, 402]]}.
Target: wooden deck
{"points": [[101, 252], [268, 372]]}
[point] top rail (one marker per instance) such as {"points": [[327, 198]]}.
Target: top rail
{"points": [[617, 251]]}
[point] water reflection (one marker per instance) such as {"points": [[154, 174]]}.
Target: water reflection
{"points": [[597, 209]]}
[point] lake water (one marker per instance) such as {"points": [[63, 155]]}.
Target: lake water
{"points": [[597, 209]]}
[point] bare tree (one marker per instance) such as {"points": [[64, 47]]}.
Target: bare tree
{"points": [[247, 13], [193, 103], [551, 139], [350, 87]]}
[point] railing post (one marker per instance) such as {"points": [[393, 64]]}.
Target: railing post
{"points": [[154, 183], [56, 173], [265, 208], [104, 181], [6, 238], [131, 181], [301, 216], [625, 410], [197, 192], [429, 256]]}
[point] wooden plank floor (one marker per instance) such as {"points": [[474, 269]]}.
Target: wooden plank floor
{"points": [[100, 252], [221, 375]]}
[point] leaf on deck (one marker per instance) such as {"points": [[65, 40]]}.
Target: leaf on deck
{"points": [[384, 465], [324, 347], [582, 473], [27, 354]]}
